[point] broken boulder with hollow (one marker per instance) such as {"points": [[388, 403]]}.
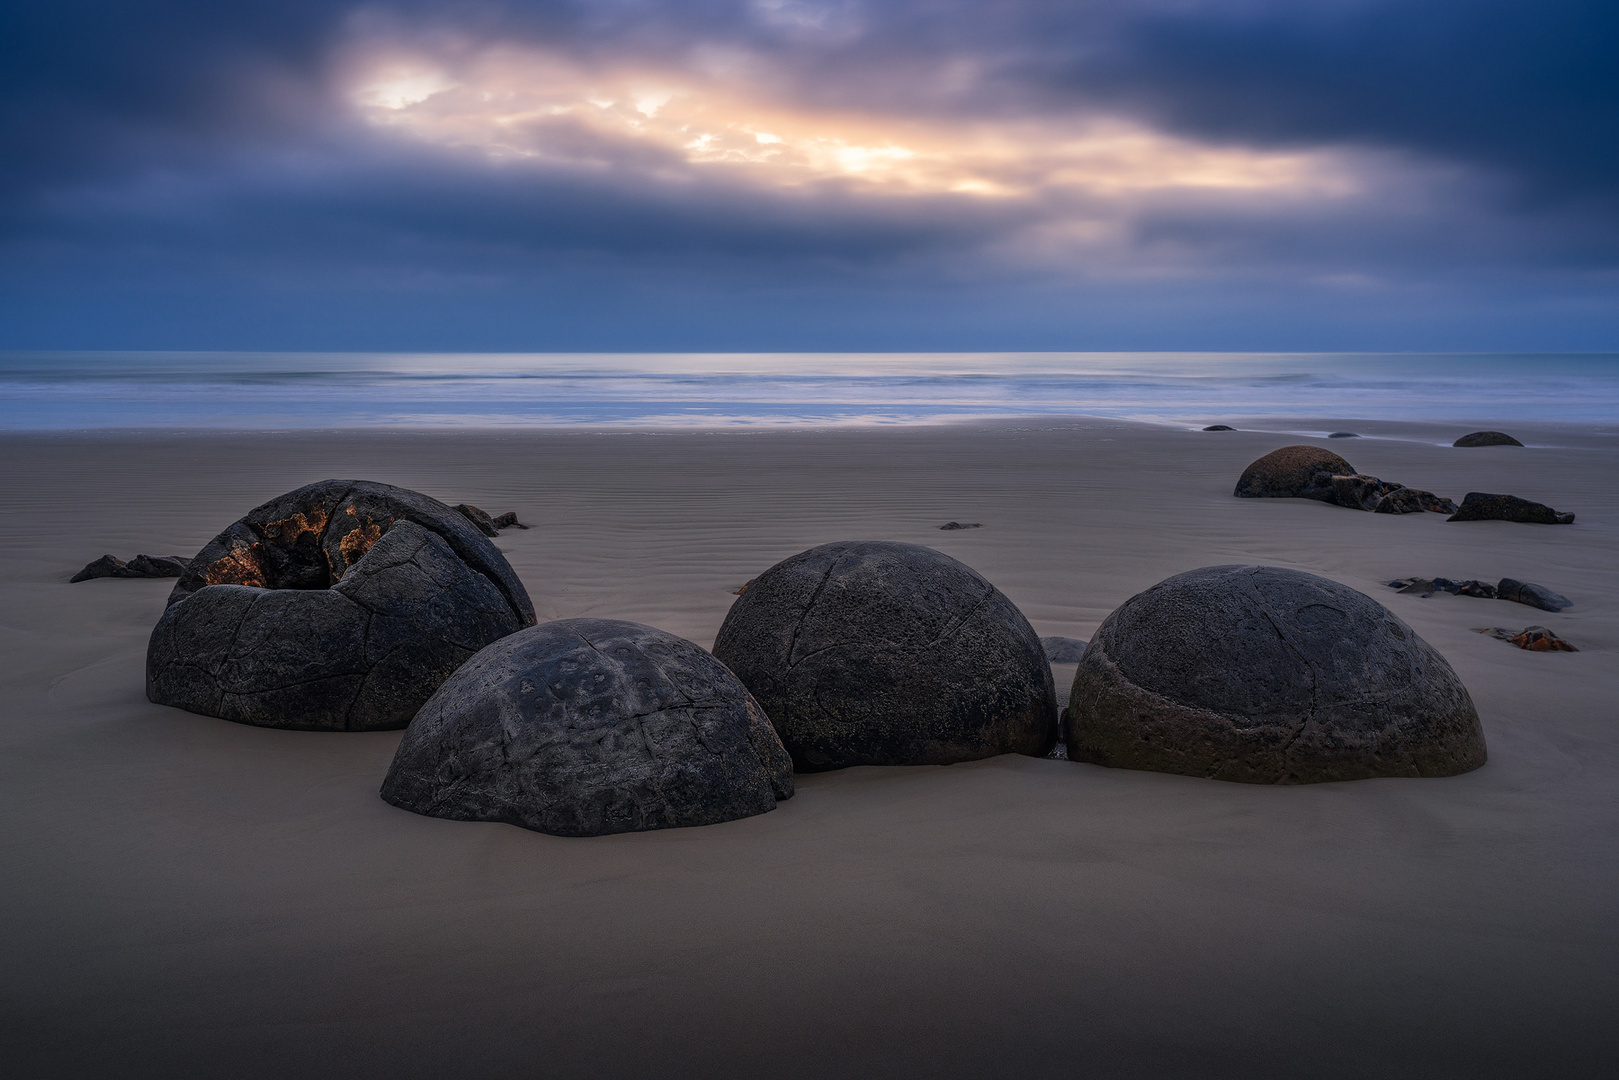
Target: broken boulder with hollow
{"points": [[337, 607]]}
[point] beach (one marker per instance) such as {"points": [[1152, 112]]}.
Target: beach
{"points": [[183, 896]]}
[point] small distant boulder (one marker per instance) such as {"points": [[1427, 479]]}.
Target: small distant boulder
{"points": [[868, 652], [508, 520], [1268, 676], [952, 526], [1527, 592], [141, 566], [1293, 472], [1063, 650], [1219, 427], [585, 727], [1487, 438], [1481, 506], [1343, 435], [1531, 638]]}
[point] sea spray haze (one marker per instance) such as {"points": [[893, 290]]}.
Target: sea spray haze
{"points": [[182, 390]]}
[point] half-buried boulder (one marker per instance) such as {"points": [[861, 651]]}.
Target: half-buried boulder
{"points": [[1483, 506], [868, 652], [589, 726], [1293, 472], [1487, 438], [1267, 676], [338, 607]]}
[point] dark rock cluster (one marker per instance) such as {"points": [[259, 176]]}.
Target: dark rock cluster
{"points": [[1309, 472], [1487, 438], [584, 727], [340, 606], [1266, 675], [878, 653], [1481, 506], [1522, 592], [141, 566]]}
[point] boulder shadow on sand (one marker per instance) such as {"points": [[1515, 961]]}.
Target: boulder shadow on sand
{"points": [[337, 607], [585, 727], [1267, 676]]}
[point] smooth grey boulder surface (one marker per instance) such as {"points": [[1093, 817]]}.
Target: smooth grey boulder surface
{"points": [[1527, 592], [309, 538], [1293, 472], [1268, 676], [1063, 650], [867, 652], [1487, 438], [362, 655], [590, 726]]}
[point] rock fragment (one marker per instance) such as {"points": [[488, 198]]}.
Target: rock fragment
{"points": [[1343, 435], [1527, 592], [1531, 638], [951, 526], [1219, 427], [141, 566], [1482, 506], [1063, 650], [485, 523]]}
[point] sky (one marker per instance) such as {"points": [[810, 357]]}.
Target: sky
{"points": [[802, 175]]}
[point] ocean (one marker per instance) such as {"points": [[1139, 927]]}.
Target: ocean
{"points": [[68, 391]]}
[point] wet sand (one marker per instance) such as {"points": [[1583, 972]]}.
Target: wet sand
{"points": [[180, 895]]}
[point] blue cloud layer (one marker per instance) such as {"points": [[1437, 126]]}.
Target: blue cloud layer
{"points": [[187, 174]]}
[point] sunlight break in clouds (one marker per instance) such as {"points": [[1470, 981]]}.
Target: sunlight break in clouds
{"points": [[527, 105]]}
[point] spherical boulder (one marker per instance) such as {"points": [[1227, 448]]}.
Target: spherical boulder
{"points": [[1293, 472], [337, 607], [1486, 438], [1267, 676], [584, 727], [865, 652]]}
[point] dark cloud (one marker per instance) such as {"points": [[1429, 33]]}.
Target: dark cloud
{"points": [[180, 167]]}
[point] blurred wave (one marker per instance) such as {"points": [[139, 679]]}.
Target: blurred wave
{"points": [[75, 391]]}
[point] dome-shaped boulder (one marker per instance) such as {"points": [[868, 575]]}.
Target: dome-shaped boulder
{"points": [[583, 727], [1293, 472], [878, 653], [337, 607], [1486, 438], [1266, 676]]}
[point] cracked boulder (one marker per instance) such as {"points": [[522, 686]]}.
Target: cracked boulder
{"points": [[1293, 472], [877, 653], [584, 727], [337, 607], [1267, 676]]}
